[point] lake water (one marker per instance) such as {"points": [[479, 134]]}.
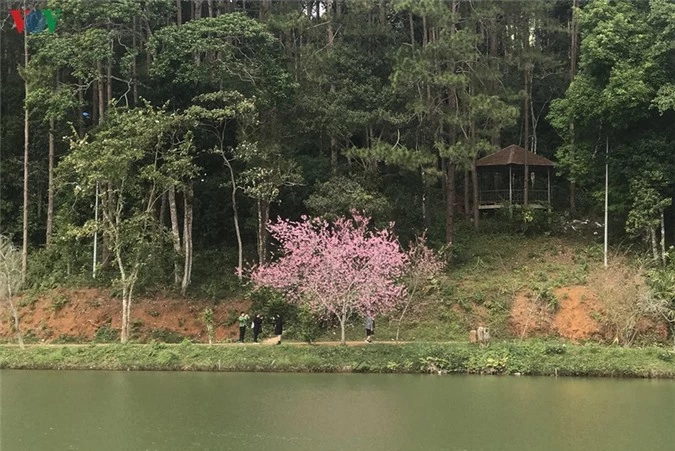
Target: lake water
{"points": [[88, 410]]}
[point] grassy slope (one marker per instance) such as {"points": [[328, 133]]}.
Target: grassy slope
{"points": [[480, 285], [478, 289], [530, 358]]}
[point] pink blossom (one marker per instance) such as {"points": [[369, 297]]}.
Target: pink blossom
{"points": [[336, 269]]}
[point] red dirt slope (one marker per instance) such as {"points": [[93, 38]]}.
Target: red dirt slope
{"points": [[78, 314]]}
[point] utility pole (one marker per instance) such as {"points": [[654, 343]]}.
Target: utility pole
{"points": [[606, 192]]}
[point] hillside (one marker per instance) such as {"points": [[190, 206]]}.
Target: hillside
{"points": [[518, 287]]}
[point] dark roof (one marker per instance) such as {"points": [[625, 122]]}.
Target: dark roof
{"points": [[514, 155]]}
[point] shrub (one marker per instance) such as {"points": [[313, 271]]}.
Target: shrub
{"points": [[308, 328], [165, 335], [555, 349], [624, 294], [167, 357], [106, 334], [58, 302]]}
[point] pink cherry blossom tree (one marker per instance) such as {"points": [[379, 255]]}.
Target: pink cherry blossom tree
{"points": [[424, 265], [336, 269]]}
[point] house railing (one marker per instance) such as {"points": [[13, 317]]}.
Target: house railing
{"points": [[496, 197]]}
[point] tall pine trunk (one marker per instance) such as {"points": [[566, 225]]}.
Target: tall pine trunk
{"points": [[263, 216], [100, 102], [574, 36], [474, 179], [330, 36], [663, 238], [26, 146], [134, 69], [161, 217], [450, 204], [425, 200], [467, 205], [526, 109], [474, 174], [50, 185], [450, 165]]}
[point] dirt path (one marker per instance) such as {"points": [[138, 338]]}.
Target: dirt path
{"points": [[268, 342]]}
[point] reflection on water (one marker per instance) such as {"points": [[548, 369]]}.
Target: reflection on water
{"points": [[51, 410]]}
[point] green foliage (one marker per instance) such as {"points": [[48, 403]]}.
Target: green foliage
{"points": [[106, 334], [308, 328], [546, 295], [65, 263], [247, 65], [166, 357], [165, 336], [649, 200], [58, 302], [526, 220], [527, 358], [555, 349], [340, 195], [369, 104]]}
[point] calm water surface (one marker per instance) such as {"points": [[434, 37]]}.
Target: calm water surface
{"points": [[52, 410]]}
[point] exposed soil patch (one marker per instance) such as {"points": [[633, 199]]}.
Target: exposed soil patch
{"points": [[79, 314], [575, 317], [529, 317]]}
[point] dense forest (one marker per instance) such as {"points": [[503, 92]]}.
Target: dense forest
{"points": [[145, 135]]}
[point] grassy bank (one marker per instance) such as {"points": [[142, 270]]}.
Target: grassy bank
{"points": [[528, 358]]}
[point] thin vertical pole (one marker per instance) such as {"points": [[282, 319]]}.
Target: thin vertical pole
{"points": [[548, 175], [93, 267], [510, 192], [606, 193]]}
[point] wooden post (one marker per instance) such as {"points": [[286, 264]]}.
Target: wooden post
{"points": [[510, 192]]}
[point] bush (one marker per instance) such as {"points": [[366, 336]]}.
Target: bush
{"points": [[165, 336], [106, 334], [665, 356], [59, 302], [308, 325], [555, 349], [167, 357], [623, 291], [61, 262]]}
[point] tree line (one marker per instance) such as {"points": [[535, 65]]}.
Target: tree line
{"points": [[163, 130]]}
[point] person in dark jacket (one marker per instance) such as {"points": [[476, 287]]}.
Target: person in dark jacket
{"points": [[370, 328], [257, 326], [278, 327]]}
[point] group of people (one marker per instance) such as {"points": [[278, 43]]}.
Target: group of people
{"points": [[257, 324]]}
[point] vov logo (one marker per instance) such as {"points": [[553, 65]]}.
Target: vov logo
{"points": [[35, 21]]}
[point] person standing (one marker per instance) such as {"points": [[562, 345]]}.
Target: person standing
{"points": [[243, 319], [370, 328], [278, 327], [257, 326]]}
